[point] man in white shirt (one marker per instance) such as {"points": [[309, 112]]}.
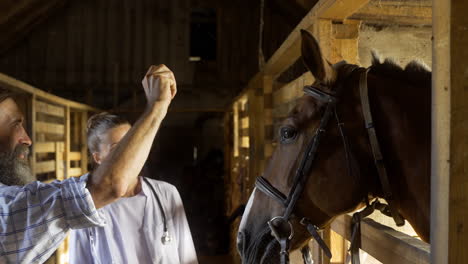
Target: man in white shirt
{"points": [[150, 227]]}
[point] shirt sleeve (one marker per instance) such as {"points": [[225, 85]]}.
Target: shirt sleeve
{"points": [[186, 248], [35, 218]]}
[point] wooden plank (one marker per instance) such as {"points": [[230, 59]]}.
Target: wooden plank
{"points": [[245, 142], [338, 248], [45, 166], [44, 147], [75, 156], [44, 127], [293, 90], [244, 122], [340, 9], [256, 133], [75, 172], [384, 243], [49, 109], [449, 183], [289, 51], [19, 86], [326, 235], [59, 168], [396, 13], [235, 129]]}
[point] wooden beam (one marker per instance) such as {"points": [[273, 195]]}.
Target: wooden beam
{"points": [[396, 13], [384, 243], [44, 127], [67, 141], [289, 51], [44, 147], [45, 166], [49, 109], [32, 122], [75, 172], [338, 10], [292, 90], [235, 128], [244, 122], [75, 156], [84, 142], [59, 168], [449, 182], [19, 86]]}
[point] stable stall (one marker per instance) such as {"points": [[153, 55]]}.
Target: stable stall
{"points": [[348, 30]]}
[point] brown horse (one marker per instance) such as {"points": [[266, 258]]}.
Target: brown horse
{"points": [[400, 101]]}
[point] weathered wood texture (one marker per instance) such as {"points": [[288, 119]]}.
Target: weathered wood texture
{"points": [[449, 220], [383, 243]]}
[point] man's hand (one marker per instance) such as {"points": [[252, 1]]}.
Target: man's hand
{"points": [[159, 84], [117, 176]]}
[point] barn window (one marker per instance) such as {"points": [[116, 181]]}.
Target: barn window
{"points": [[202, 34]]}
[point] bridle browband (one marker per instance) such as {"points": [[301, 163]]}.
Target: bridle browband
{"points": [[280, 223]]}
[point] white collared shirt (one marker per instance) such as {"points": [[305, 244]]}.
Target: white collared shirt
{"points": [[134, 229]]}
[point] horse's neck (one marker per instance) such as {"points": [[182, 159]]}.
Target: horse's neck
{"points": [[403, 124]]}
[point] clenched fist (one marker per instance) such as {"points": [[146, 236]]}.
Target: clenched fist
{"points": [[159, 84]]}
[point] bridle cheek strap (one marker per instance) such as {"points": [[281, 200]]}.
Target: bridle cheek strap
{"points": [[265, 186]]}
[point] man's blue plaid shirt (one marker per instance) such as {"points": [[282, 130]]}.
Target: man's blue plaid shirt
{"points": [[35, 218]]}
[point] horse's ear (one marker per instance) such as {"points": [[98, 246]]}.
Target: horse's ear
{"points": [[313, 59]]}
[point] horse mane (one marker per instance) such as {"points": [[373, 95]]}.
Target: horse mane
{"points": [[416, 72]]}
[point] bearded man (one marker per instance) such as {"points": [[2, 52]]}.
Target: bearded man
{"points": [[35, 216]]}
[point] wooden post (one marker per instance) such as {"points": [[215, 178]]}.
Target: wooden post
{"points": [[449, 181], [326, 235], [59, 168], [256, 131], [268, 118], [84, 145], [235, 135], [67, 142], [33, 133]]}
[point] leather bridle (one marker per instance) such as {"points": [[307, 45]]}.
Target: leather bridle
{"points": [[281, 227]]}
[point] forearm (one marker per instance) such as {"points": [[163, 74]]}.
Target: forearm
{"points": [[118, 173]]}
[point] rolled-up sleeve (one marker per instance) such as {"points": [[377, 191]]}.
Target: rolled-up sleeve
{"points": [[35, 218], [80, 210]]}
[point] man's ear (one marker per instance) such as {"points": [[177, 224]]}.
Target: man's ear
{"points": [[97, 158]]}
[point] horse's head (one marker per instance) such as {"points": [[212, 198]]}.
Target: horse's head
{"points": [[333, 186]]}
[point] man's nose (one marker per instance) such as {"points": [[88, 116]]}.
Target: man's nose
{"points": [[24, 138]]}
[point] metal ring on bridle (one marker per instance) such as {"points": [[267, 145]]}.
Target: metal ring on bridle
{"points": [[270, 223]]}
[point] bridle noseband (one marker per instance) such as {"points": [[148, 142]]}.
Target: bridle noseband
{"points": [[302, 173]]}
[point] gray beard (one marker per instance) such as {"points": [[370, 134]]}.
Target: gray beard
{"points": [[14, 170]]}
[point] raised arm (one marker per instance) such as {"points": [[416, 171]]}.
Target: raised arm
{"points": [[117, 175]]}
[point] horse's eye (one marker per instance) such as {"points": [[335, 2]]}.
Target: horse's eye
{"points": [[288, 134]]}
